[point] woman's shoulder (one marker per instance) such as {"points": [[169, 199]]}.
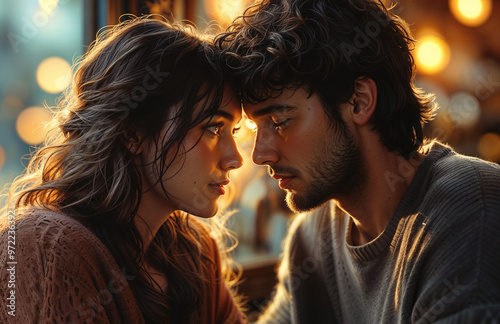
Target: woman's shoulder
{"points": [[57, 257], [42, 225], [52, 241], [52, 235], [44, 217]]}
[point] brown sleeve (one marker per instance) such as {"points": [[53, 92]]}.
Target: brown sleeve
{"points": [[221, 307], [226, 310]]}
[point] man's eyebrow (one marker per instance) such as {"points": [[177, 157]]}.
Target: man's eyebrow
{"points": [[271, 109]]}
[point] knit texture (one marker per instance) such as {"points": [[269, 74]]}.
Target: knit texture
{"points": [[65, 274], [437, 261]]}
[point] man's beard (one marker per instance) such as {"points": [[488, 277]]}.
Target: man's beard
{"points": [[336, 171]]}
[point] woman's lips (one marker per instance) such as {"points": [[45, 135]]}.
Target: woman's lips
{"points": [[219, 187]]}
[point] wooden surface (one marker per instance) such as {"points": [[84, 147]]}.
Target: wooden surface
{"points": [[258, 280]]}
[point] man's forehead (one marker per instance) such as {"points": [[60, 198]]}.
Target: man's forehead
{"points": [[268, 109], [284, 101]]}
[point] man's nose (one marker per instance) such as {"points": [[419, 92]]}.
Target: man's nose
{"points": [[264, 150]]}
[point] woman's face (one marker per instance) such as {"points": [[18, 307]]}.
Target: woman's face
{"points": [[200, 171]]}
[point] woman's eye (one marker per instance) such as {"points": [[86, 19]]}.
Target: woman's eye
{"points": [[236, 130], [215, 128]]}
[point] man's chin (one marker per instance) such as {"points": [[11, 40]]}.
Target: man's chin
{"points": [[299, 204]]}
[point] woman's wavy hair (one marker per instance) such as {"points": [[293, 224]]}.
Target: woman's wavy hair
{"points": [[325, 45], [130, 79]]}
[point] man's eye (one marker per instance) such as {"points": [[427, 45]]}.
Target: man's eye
{"points": [[279, 125], [215, 128]]}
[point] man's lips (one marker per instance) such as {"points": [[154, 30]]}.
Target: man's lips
{"points": [[284, 179], [219, 187]]}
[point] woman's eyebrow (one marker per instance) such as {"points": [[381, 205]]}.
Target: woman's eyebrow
{"points": [[271, 109], [226, 115]]}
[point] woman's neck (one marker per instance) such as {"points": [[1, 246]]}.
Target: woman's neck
{"points": [[151, 215]]}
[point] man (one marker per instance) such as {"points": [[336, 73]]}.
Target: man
{"points": [[397, 230]]}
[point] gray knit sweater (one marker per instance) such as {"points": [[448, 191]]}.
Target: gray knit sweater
{"points": [[438, 260]]}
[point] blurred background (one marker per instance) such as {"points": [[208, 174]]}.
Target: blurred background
{"points": [[457, 57]]}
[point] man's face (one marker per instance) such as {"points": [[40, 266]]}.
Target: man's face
{"points": [[314, 159]]}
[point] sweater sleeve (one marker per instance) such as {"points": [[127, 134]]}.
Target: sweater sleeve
{"points": [[226, 310], [485, 314], [68, 293], [279, 310], [460, 280], [220, 307]]}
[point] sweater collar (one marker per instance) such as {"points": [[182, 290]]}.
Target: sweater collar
{"points": [[434, 151]]}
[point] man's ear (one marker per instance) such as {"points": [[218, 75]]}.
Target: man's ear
{"points": [[132, 141], [364, 100]]}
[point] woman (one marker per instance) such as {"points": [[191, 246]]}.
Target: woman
{"points": [[143, 139]]}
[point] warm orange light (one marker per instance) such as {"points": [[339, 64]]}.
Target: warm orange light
{"points": [[250, 124], [388, 3], [433, 54], [225, 11], [31, 125], [53, 74], [2, 157], [471, 13], [489, 147], [48, 5]]}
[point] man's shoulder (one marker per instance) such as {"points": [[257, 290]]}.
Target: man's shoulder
{"points": [[460, 189], [449, 164], [453, 175]]}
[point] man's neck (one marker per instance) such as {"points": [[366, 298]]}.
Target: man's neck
{"points": [[388, 177]]}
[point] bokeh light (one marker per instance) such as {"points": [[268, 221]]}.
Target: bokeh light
{"points": [[53, 74], [11, 106], [489, 147], [433, 54], [17, 88], [225, 11], [48, 5], [471, 13], [31, 125], [2, 157], [464, 109]]}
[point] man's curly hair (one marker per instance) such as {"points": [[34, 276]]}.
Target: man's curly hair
{"points": [[325, 45]]}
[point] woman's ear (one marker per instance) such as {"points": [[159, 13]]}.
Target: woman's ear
{"points": [[132, 141], [364, 100]]}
